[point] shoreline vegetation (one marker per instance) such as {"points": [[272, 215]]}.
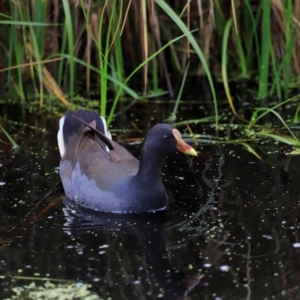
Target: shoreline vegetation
{"points": [[63, 50]]}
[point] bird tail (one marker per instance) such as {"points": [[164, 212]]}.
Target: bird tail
{"points": [[70, 125]]}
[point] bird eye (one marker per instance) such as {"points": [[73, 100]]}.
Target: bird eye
{"points": [[166, 137]]}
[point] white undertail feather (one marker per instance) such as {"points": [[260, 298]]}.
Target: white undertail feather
{"points": [[106, 133], [60, 137]]}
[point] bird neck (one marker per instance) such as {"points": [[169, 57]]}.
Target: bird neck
{"points": [[150, 167]]}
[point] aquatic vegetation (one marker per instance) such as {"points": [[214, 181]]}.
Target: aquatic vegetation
{"points": [[106, 51], [229, 210], [116, 36], [53, 291], [8, 136]]}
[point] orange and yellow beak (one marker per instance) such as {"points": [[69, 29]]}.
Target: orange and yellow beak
{"points": [[182, 146]]}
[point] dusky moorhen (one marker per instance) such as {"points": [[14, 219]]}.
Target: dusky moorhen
{"points": [[99, 174]]}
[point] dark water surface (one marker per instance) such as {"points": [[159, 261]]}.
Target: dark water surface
{"points": [[233, 221]]}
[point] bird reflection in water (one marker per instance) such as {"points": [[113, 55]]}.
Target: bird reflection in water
{"points": [[90, 229]]}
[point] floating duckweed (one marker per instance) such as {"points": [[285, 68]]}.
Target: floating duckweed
{"points": [[52, 291]]}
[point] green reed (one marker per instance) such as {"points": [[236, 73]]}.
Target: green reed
{"points": [[191, 39], [236, 42], [265, 49], [9, 137], [70, 39]]}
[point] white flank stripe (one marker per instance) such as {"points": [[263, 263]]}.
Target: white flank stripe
{"points": [[60, 137]]}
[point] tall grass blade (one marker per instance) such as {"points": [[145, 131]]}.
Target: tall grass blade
{"points": [[62, 63], [265, 49], [9, 137], [277, 75], [170, 12], [280, 138], [17, 50], [39, 16], [103, 57], [172, 118], [109, 119], [224, 66], [256, 117], [118, 51], [250, 149], [70, 36], [34, 51], [290, 38], [253, 33]]}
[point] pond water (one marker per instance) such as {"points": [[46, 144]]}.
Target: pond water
{"points": [[232, 230]]}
